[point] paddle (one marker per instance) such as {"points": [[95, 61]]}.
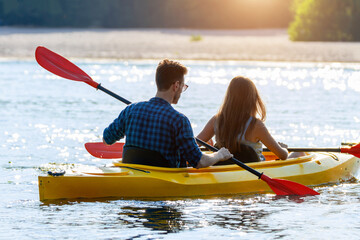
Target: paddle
{"points": [[279, 186], [354, 150], [100, 150], [64, 68]]}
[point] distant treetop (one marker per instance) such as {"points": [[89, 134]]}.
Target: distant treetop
{"points": [[325, 20]]}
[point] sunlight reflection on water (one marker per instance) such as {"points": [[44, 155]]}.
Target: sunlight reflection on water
{"points": [[46, 120], [308, 104]]}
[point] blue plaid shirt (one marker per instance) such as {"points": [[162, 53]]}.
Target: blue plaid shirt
{"points": [[156, 125]]}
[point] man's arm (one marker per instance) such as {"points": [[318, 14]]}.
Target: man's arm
{"points": [[190, 151], [115, 131], [207, 160], [105, 142]]}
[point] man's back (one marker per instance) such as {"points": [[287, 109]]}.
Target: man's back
{"points": [[156, 125]]}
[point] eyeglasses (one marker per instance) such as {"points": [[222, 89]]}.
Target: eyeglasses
{"points": [[184, 87]]}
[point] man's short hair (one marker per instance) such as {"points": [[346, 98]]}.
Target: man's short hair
{"points": [[168, 72]]}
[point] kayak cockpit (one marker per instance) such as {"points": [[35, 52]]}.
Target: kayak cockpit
{"points": [[223, 168]]}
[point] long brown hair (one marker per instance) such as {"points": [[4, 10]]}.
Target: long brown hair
{"points": [[241, 101]]}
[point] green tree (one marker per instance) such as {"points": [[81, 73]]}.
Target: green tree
{"points": [[325, 20]]}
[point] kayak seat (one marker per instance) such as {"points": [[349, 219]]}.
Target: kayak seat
{"points": [[136, 155], [246, 155]]}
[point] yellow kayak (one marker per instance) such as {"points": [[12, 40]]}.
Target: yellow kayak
{"points": [[139, 181]]}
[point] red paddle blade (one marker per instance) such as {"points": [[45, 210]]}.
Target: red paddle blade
{"points": [[100, 150], [62, 67], [355, 150], [286, 187]]}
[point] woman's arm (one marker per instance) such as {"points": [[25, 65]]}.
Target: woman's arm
{"points": [[265, 137], [208, 132]]}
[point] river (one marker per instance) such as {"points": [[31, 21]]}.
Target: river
{"points": [[45, 121]]}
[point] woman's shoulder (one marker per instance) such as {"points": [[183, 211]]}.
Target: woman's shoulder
{"points": [[258, 124], [213, 118], [257, 130]]}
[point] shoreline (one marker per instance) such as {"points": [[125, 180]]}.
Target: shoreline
{"points": [[263, 45], [305, 64], [155, 61]]}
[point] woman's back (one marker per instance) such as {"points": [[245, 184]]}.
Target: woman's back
{"points": [[253, 143], [237, 122]]}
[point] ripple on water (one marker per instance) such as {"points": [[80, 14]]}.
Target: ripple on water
{"points": [[46, 120]]}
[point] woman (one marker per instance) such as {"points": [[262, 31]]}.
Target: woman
{"points": [[240, 121]]}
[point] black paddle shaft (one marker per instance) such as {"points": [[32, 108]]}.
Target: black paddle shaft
{"points": [[113, 94], [310, 150]]}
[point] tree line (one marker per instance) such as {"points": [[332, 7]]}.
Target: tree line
{"points": [[208, 14], [306, 20]]}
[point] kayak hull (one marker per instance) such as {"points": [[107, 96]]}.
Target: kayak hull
{"points": [[137, 181]]}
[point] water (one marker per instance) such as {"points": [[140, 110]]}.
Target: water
{"points": [[45, 122]]}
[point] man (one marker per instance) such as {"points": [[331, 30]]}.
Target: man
{"points": [[156, 126]]}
